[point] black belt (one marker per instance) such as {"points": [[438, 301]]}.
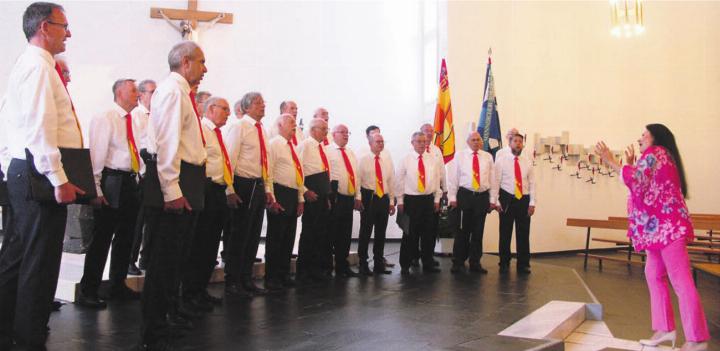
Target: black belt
{"points": [[373, 193], [216, 185], [420, 196], [110, 171], [471, 192], [249, 180], [345, 196]]}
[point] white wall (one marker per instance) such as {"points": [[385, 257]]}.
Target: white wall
{"points": [[558, 68]]}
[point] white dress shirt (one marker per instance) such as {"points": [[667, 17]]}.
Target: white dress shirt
{"points": [[505, 177], [407, 177], [460, 172], [4, 151], [175, 134], [440, 160], [366, 171], [141, 117], [283, 166], [273, 131], [243, 144], [310, 156], [503, 152], [215, 167], [109, 147], [339, 172], [329, 136], [38, 114]]}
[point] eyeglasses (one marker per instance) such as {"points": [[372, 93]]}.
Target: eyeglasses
{"points": [[226, 109], [64, 25]]}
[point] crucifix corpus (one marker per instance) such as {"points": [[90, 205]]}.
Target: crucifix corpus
{"points": [[189, 18]]}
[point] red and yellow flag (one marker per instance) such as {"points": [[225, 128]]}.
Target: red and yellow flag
{"points": [[444, 129]]}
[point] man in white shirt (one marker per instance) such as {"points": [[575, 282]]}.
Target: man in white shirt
{"points": [[227, 227], [513, 193], [314, 251], [505, 150], [418, 194], [377, 178], [469, 177], [437, 154], [344, 198], [141, 115], [385, 155], [37, 115], [251, 193], [116, 163], [287, 179], [201, 98], [289, 107], [175, 136], [323, 114], [200, 263]]}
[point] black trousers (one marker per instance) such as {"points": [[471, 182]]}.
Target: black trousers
{"points": [[200, 263], [29, 260], [112, 226], [515, 213], [341, 224], [472, 208], [420, 209], [142, 236], [314, 244], [280, 237], [246, 226], [171, 233], [374, 216]]}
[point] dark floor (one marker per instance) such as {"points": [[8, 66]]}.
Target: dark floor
{"points": [[419, 312]]}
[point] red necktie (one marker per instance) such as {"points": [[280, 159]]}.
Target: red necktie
{"points": [[72, 106], [476, 171], [326, 142], [351, 173], [227, 170], [379, 188], [518, 180], [324, 159], [197, 115], [294, 139], [299, 177], [134, 155], [421, 174], [263, 152]]}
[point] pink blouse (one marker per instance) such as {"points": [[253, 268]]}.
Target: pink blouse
{"points": [[657, 213]]}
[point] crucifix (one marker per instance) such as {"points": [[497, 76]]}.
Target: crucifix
{"points": [[189, 18]]}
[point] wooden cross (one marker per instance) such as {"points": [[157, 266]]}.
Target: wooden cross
{"points": [[189, 18]]}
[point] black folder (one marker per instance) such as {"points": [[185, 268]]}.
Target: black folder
{"points": [[4, 200], [192, 185], [318, 183], [78, 169]]}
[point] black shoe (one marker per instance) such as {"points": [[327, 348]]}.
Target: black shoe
{"points": [[133, 270], [90, 301], [387, 263], [121, 292], [196, 303], [143, 264], [404, 271], [504, 268], [379, 268], [258, 259], [346, 273], [55, 306], [188, 312], [210, 298], [415, 263], [237, 290], [160, 345], [178, 322], [273, 286], [436, 263], [254, 289], [456, 268], [478, 269], [320, 276], [365, 270], [431, 269], [523, 270]]}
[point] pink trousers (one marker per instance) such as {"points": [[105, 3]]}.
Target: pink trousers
{"points": [[672, 262]]}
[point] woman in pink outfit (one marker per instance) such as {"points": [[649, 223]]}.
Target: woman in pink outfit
{"points": [[659, 223]]}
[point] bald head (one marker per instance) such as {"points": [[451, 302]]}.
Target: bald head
{"points": [[318, 129], [217, 110], [341, 135], [322, 113], [474, 141], [376, 142], [429, 132]]}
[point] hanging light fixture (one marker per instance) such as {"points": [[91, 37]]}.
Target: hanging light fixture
{"points": [[627, 18]]}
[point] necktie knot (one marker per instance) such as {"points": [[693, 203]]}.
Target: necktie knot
{"points": [[516, 158], [377, 157], [217, 129], [257, 124], [475, 153]]}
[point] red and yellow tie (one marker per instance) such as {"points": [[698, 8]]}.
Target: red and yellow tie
{"points": [[134, 155], [518, 180], [421, 174], [197, 115], [227, 169], [72, 106], [379, 187], [299, 178], [326, 166], [351, 173], [263, 152], [476, 172]]}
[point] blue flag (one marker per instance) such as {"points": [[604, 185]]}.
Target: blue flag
{"points": [[489, 124]]}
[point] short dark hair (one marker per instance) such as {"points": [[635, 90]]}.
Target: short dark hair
{"points": [[35, 14], [370, 128], [118, 83]]}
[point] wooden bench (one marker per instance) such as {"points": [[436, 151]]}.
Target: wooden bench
{"points": [[706, 267], [594, 223], [628, 262]]}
